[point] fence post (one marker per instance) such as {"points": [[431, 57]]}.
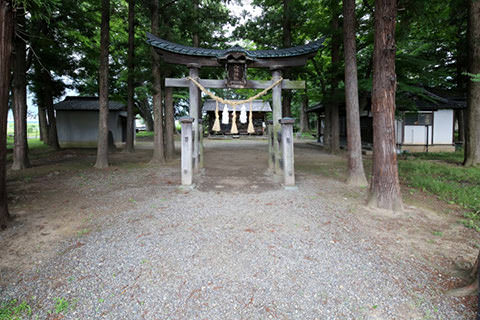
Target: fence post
{"points": [[287, 151], [187, 149]]}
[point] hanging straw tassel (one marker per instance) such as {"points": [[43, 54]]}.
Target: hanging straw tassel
{"points": [[216, 124], [243, 115], [234, 121], [250, 121], [225, 115]]}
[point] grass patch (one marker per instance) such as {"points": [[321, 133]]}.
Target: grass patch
{"points": [[440, 174], [12, 310], [145, 134], [63, 306]]}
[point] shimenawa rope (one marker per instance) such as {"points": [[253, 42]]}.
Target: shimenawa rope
{"points": [[234, 103]]}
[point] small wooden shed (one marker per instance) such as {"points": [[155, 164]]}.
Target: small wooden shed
{"points": [[77, 121], [259, 113]]}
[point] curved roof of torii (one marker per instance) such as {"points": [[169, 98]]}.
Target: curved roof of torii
{"points": [[177, 53]]}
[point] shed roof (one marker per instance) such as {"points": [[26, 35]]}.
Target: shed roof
{"points": [[257, 106], [86, 104], [162, 44]]}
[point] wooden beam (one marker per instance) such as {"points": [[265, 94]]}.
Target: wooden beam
{"points": [[222, 84]]}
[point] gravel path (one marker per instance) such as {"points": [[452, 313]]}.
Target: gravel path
{"points": [[247, 250]]}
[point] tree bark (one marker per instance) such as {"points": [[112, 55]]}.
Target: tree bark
{"points": [[20, 152], [287, 43], [158, 143], [334, 141], [304, 125], [472, 137], [131, 76], [169, 123], [42, 123], [356, 174], [195, 37], [6, 38], [385, 186], [146, 113], [48, 103], [102, 145]]}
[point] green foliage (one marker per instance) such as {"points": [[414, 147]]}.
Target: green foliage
{"points": [[445, 178], [12, 310]]}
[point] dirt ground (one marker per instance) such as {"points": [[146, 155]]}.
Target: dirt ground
{"points": [[57, 199]]}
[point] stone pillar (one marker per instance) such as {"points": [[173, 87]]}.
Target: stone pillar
{"points": [[287, 151], [277, 115], [200, 143], [271, 154], [194, 112], [187, 148]]}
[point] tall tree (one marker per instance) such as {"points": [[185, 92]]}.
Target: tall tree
{"points": [[20, 152], [472, 143], [356, 174], [332, 107], [287, 43], [6, 35], [158, 144], [102, 145], [131, 75], [385, 186], [303, 115], [48, 93]]}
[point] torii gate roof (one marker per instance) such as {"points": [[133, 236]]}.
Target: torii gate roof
{"points": [[279, 58]]}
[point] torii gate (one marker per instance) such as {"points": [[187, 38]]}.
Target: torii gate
{"points": [[236, 61]]}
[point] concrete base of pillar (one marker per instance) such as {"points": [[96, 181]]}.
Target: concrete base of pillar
{"points": [[186, 188]]}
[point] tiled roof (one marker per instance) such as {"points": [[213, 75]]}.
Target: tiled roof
{"points": [[86, 103], [312, 47]]}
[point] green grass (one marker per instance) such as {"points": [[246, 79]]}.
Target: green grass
{"points": [[145, 134], [13, 310], [63, 306], [441, 174]]}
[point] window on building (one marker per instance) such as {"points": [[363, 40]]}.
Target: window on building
{"points": [[418, 119]]}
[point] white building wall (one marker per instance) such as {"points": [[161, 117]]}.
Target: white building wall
{"points": [[443, 127], [417, 135]]}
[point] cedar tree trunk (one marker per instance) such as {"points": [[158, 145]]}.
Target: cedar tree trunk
{"points": [[42, 123], [472, 137], [146, 113], [131, 75], [356, 174], [385, 186], [158, 144], [6, 35], [20, 152], [48, 102], [169, 123], [304, 125], [102, 145], [287, 43], [333, 105]]}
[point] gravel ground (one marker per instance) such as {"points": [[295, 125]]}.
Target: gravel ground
{"points": [[239, 251]]}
